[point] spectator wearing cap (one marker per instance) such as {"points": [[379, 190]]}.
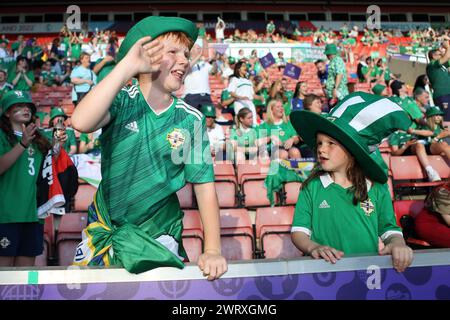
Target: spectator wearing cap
{"points": [[336, 85], [215, 132], [33, 52], [70, 143], [439, 75], [4, 55], [4, 85], [380, 90], [438, 144], [22, 78]]}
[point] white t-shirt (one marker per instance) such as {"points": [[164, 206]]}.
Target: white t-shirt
{"points": [[197, 81], [216, 136], [243, 87]]}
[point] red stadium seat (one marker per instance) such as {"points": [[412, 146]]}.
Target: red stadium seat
{"points": [[251, 176], [49, 242], [192, 234], [226, 185], [69, 236], [292, 190], [407, 171], [273, 228], [84, 197], [236, 234], [409, 208], [186, 196]]}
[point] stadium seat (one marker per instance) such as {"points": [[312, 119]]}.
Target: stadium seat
{"points": [[192, 234], [186, 196], [407, 171], [292, 190], [410, 208], [69, 236], [226, 185], [238, 242], [49, 242], [84, 197], [251, 176], [273, 228]]}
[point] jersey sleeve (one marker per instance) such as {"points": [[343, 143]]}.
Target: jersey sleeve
{"points": [[387, 224], [198, 167], [394, 140], [71, 138], [302, 221], [233, 85]]}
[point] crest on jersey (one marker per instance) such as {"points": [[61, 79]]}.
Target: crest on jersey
{"points": [[30, 151], [176, 138], [367, 207]]}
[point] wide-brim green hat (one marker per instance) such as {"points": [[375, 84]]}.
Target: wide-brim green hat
{"points": [[13, 97], [155, 26], [208, 110], [330, 49], [378, 89], [434, 111], [57, 112], [359, 122]]}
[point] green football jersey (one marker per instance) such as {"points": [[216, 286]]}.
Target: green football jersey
{"points": [[283, 131], [147, 157], [245, 138], [325, 211], [18, 184]]}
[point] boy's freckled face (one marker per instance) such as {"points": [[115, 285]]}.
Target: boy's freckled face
{"points": [[174, 64]]}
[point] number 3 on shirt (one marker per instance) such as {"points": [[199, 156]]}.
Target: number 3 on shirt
{"points": [[31, 170]]}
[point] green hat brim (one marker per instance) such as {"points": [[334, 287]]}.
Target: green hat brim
{"points": [[378, 89], [6, 105], [57, 114], [155, 26], [435, 112], [308, 124]]}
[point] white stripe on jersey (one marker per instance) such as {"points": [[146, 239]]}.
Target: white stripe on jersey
{"points": [[132, 91], [189, 109]]}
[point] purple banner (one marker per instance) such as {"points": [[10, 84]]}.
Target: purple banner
{"points": [[267, 60], [417, 283], [219, 47], [292, 71]]}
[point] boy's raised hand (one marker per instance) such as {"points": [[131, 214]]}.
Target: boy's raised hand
{"points": [[145, 56], [212, 264]]}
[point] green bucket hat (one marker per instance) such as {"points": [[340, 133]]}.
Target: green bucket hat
{"points": [[378, 89], [57, 112], [359, 122], [433, 111], [13, 97], [231, 60], [208, 110], [330, 49], [155, 26]]}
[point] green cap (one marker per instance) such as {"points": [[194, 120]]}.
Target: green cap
{"points": [[231, 60], [208, 110], [330, 49], [378, 89], [359, 122], [57, 112], [13, 97], [433, 111], [155, 26]]}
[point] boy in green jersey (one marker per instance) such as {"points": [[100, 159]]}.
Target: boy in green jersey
{"points": [[152, 144]]}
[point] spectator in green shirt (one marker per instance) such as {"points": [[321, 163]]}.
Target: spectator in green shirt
{"points": [[439, 75], [48, 77], [22, 78]]}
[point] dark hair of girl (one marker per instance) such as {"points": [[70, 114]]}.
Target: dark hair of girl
{"points": [[354, 174], [237, 66], [39, 141]]}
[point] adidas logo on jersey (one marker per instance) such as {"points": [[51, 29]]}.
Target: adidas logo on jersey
{"points": [[324, 205], [132, 126]]}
